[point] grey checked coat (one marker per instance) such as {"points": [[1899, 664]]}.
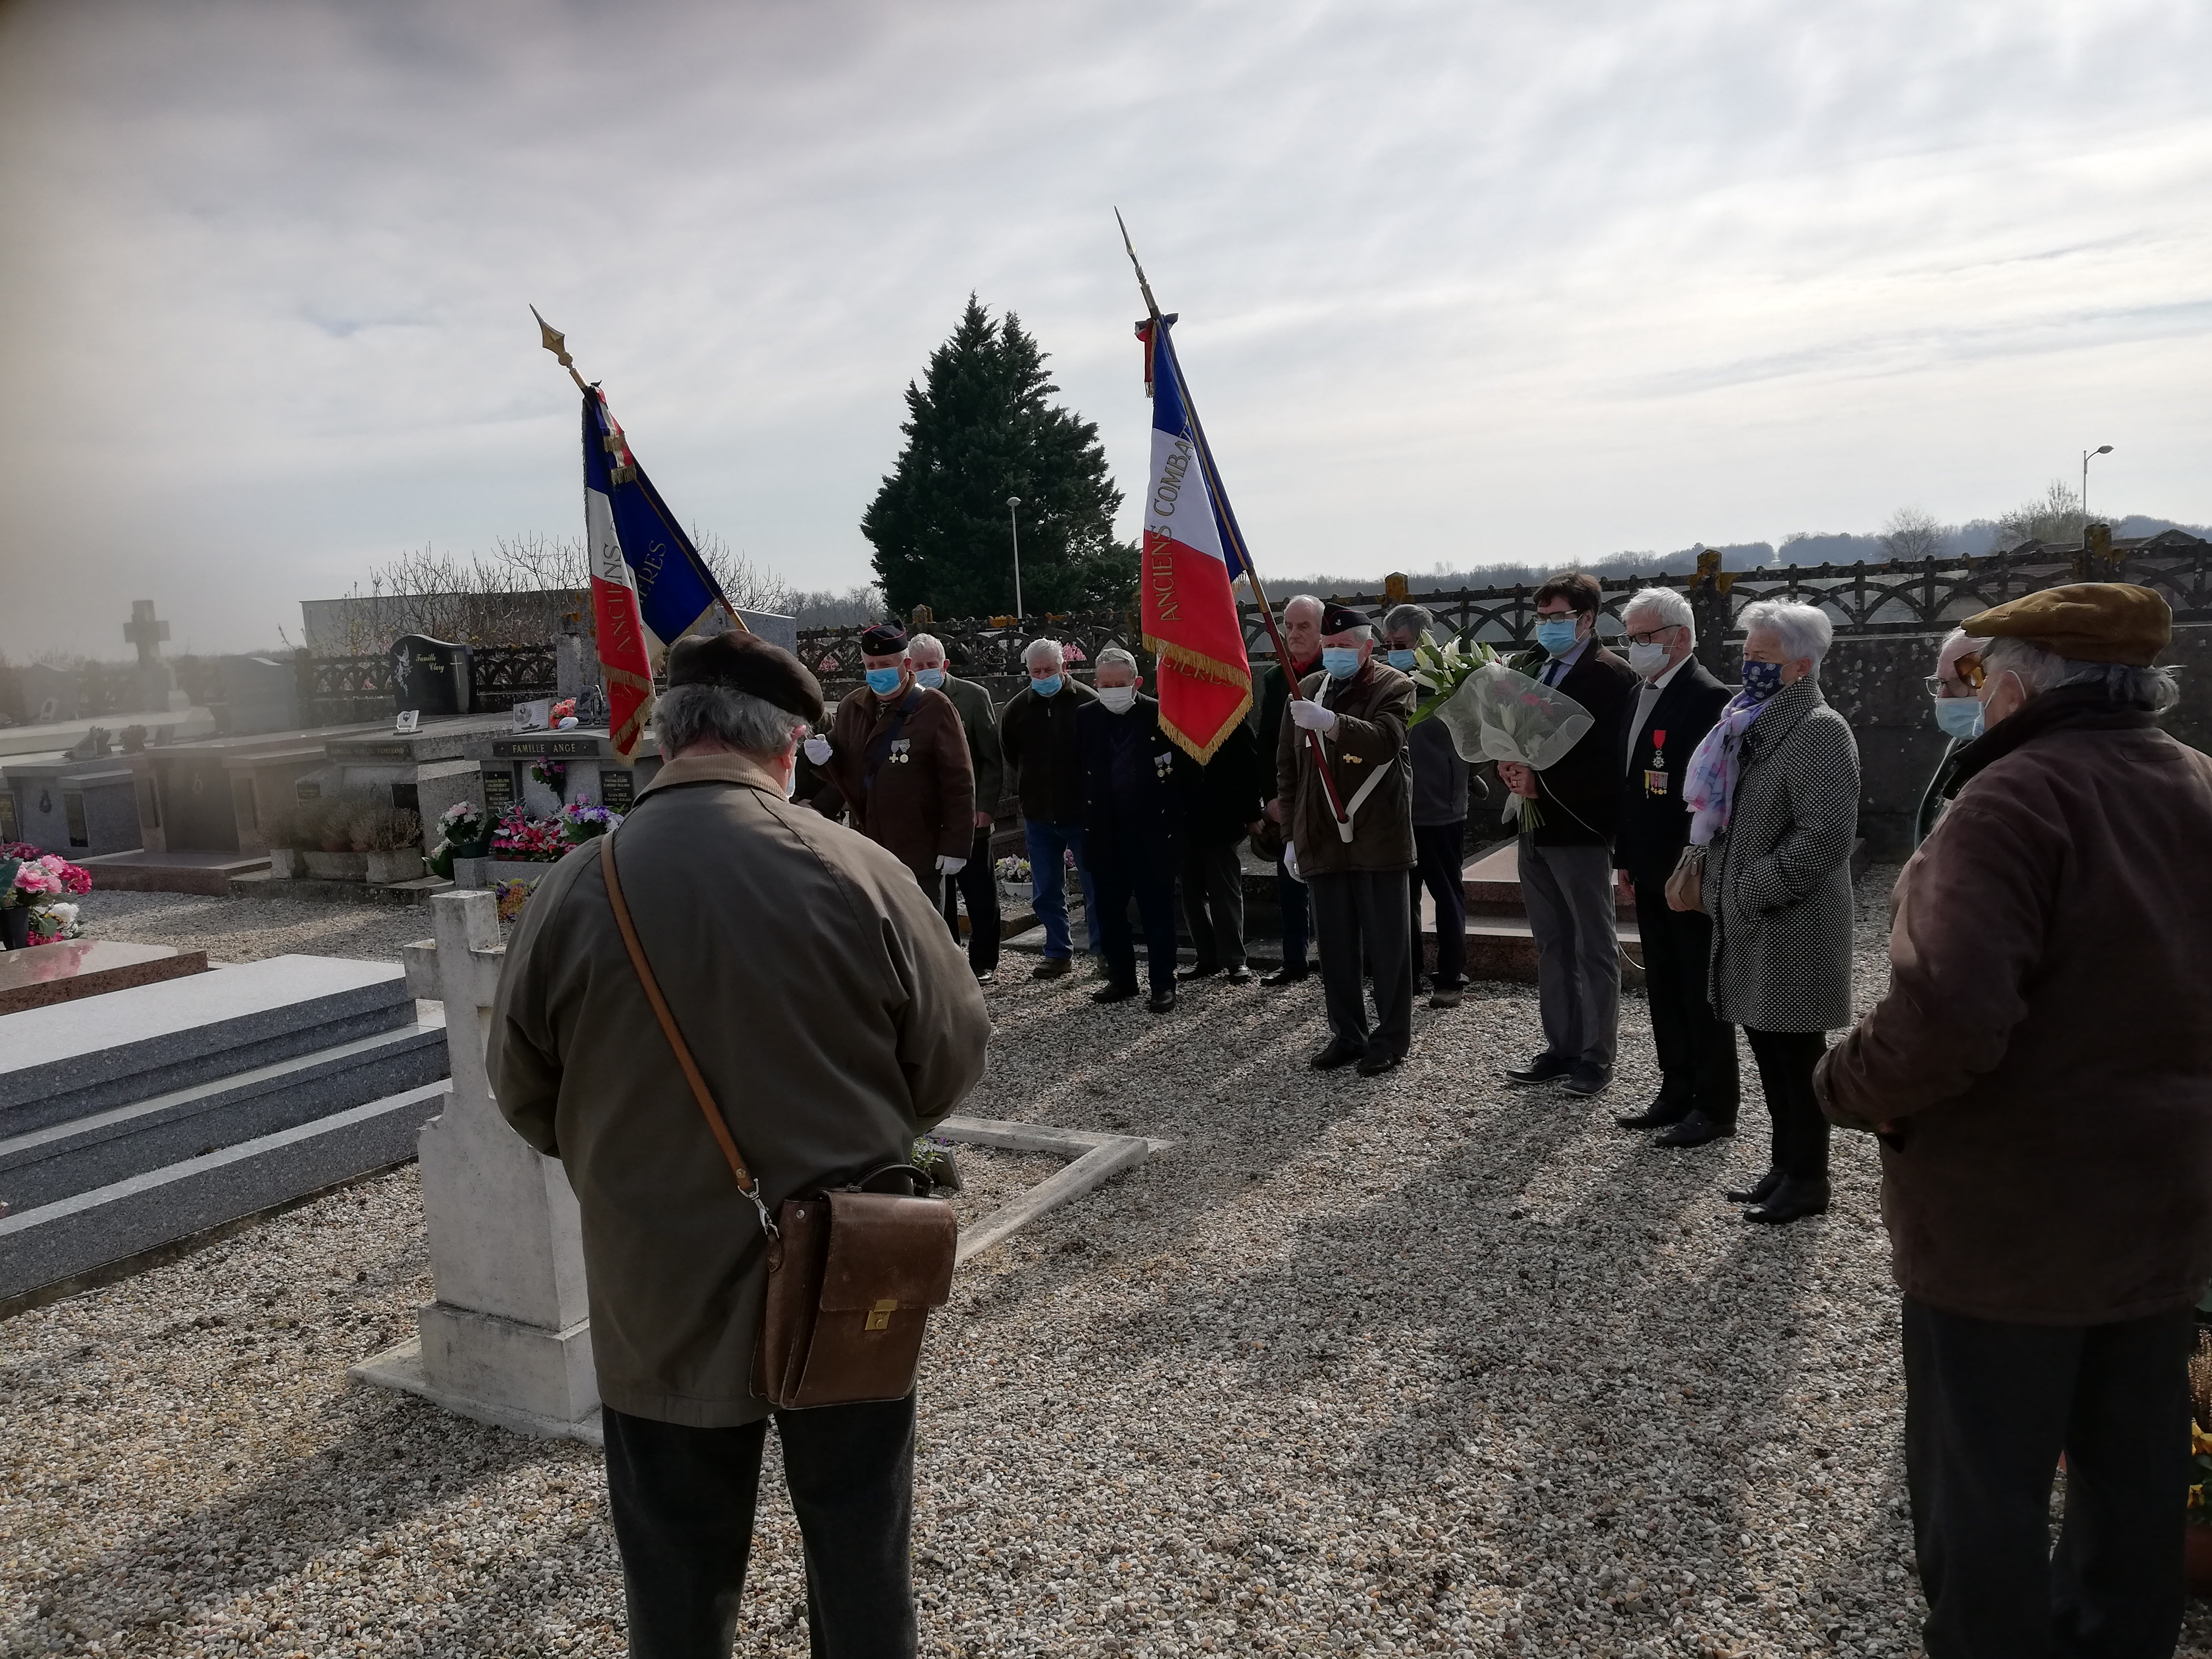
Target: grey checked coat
{"points": [[1778, 879]]}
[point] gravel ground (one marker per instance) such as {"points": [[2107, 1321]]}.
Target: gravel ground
{"points": [[1420, 1366], [246, 930]]}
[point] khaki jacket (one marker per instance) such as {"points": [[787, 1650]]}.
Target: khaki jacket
{"points": [[1368, 740], [827, 1008], [980, 723], [923, 803], [2045, 1052]]}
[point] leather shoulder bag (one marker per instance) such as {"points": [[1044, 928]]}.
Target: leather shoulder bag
{"points": [[852, 1274]]}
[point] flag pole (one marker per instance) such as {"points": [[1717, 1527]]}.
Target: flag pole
{"points": [[557, 342], [1228, 521]]}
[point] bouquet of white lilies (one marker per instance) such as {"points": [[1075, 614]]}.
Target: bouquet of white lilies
{"points": [[1497, 713]]}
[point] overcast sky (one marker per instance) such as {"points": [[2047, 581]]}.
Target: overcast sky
{"points": [[1460, 282]]}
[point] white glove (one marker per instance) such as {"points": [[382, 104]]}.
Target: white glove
{"points": [[1312, 715], [1291, 855], [949, 865], [817, 750]]}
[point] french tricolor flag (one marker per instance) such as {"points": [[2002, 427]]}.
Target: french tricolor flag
{"points": [[625, 662], [1192, 553]]}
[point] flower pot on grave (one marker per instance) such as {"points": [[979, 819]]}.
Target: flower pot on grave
{"points": [[15, 927], [338, 866], [478, 849], [2198, 1561], [287, 863], [404, 863]]}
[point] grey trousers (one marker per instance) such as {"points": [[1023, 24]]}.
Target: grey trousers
{"points": [[1568, 891], [1363, 914]]}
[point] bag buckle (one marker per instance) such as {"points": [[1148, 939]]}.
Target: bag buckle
{"points": [[879, 1316], [768, 1223]]}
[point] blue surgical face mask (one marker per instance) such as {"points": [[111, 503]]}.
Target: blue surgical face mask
{"points": [[1342, 661], [883, 681], [1959, 718], [1047, 686], [1402, 661], [931, 678], [1556, 635], [1761, 679]]}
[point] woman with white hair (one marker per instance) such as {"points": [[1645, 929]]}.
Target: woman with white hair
{"points": [[1773, 792]]}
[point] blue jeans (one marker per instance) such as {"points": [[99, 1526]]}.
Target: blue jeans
{"points": [[1047, 844]]}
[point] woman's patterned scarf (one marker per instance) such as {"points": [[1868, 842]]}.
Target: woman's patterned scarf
{"points": [[1710, 786]]}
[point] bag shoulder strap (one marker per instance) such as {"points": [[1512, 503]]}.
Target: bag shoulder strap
{"points": [[700, 1092]]}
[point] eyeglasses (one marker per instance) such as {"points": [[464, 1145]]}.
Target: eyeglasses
{"points": [[1652, 635], [1968, 669]]}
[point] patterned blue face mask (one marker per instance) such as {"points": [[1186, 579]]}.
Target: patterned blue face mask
{"points": [[1047, 686], [931, 678], [883, 681], [1402, 661], [1761, 680]]}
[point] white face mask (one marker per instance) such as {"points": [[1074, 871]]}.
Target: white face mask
{"points": [[1647, 661], [1118, 699]]}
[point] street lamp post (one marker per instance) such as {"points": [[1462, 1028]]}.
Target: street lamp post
{"points": [[2101, 449], [1015, 530]]}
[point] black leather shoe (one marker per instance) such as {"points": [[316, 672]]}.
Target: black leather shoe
{"points": [[1285, 974], [1237, 975], [1757, 1193], [1053, 968], [1111, 992], [1588, 1080], [1661, 1114], [1694, 1130], [1792, 1200], [1545, 1068], [1161, 1000], [1196, 973], [986, 975], [1374, 1063], [1334, 1052]]}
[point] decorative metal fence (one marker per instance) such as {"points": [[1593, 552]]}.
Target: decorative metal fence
{"points": [[342, 690]]}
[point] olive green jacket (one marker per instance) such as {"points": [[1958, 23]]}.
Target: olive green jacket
{"points": [[827, 1008], [981, 722]]}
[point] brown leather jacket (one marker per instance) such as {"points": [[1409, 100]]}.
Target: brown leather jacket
{"points": [[1367, 745], [922, 803], [2045, 1052]]}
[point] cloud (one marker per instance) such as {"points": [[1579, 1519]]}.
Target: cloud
{"points": [[1457, 281]]}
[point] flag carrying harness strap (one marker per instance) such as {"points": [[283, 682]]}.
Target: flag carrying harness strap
{"points": [[1351, 806]]}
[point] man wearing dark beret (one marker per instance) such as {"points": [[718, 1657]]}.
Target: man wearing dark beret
{"points": [[2040, 1075], [832, 1020], [896, 759]]}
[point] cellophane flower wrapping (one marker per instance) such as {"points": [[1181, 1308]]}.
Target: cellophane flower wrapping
{"points": [[532, 840], [583, 818], [1500, 713]]}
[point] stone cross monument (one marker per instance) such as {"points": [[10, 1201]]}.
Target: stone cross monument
{"points": [[157, 687]]}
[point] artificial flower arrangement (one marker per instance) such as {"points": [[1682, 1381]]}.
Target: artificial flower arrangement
{"points": [[511, 896], [582, 819], [562, 715], [41, 884], [1012, 869], [462, 823], [537, 841], [549, 773], [1495, 712]]}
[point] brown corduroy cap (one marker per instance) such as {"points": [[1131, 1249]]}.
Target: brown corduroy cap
{"points": [[747, 662], [2085, 622]]}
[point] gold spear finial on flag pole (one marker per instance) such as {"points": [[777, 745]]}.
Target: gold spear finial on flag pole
{"points": [[557, 342]]}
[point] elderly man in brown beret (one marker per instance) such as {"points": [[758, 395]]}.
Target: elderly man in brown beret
{"points": [[832, 1020], [2040, 1074], [896, 761]]}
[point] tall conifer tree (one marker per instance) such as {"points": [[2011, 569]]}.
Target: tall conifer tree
{"points": [[978, 430]]}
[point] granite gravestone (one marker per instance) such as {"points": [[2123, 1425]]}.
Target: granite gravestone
{"points": [[260, 693], [432, 677]]}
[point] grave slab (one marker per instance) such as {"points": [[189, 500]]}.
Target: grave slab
{"points": [[70, 969], [209, 874]]}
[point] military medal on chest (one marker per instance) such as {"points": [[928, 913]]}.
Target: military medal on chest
{"points": [[901, 750], [1658, 751]]}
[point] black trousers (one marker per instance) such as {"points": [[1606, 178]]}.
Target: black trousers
{"points": [[1696, 1051], [979, 884], [1213, 903], [1786, 1060], [1988, 1408], [1121, 870], [1438, 866], [1361, 918], [1290, 894], [682, 1502]]}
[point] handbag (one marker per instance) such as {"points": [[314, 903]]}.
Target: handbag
{"points": [[852, 1274], [1686, 881]]}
